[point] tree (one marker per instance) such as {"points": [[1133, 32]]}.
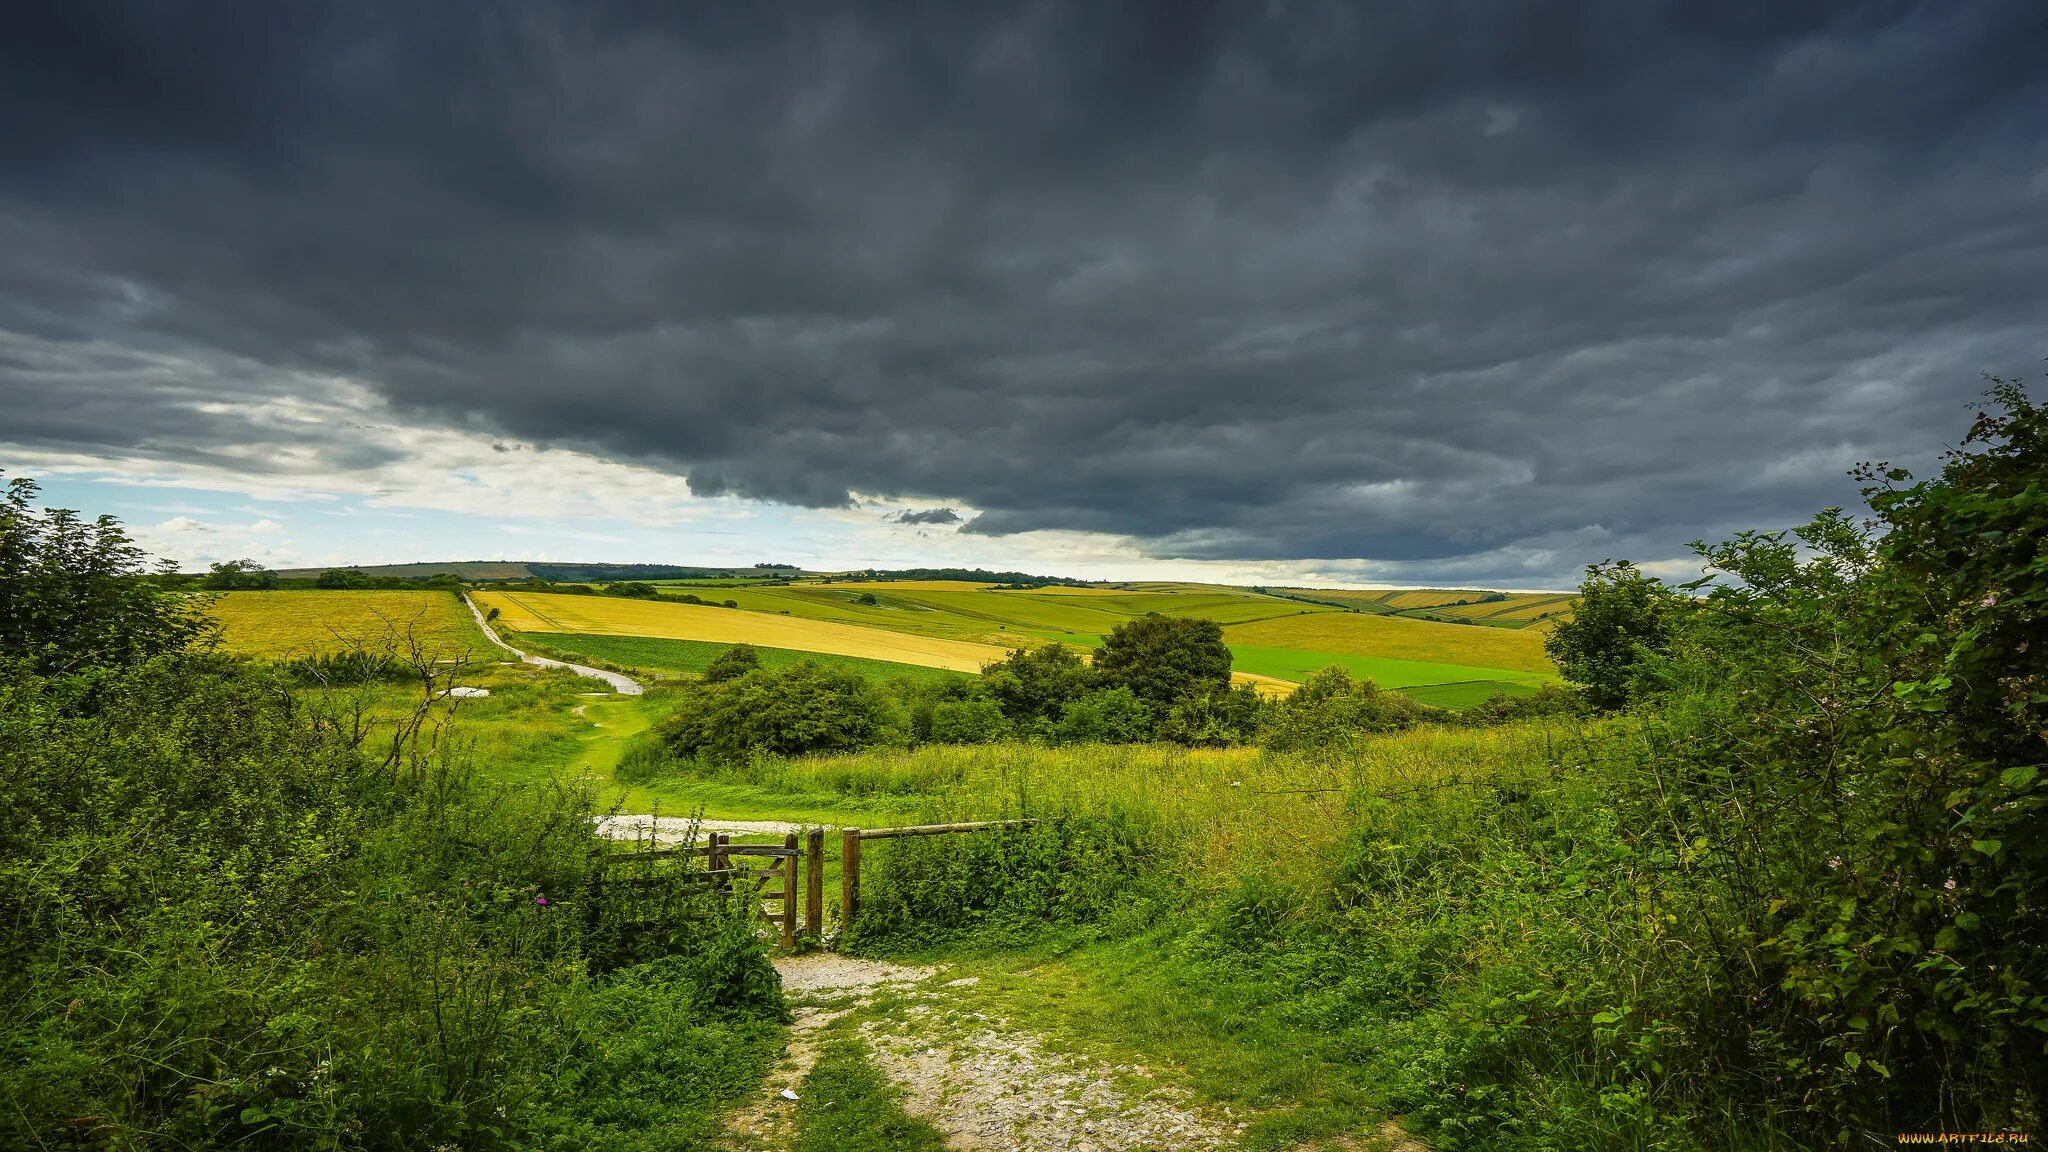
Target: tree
{"points": [[802, 709], [1334, 707], [238, 574], [976, 720], [1218, 718], [867, 599], [1105, 716], [1036, 683], [75, 594], [1164, 658], [342, 578], [1621, 615], [732, 664]]}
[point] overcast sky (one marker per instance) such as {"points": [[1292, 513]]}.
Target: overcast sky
{"points": [[1454, 293]]}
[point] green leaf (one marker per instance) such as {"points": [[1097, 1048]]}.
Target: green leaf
{"points": [[2018, 777], [1852, 1060], [1988, 847]]}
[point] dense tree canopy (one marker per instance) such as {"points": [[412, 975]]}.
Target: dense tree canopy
{"points": [[76, 594], [1164, 658]]}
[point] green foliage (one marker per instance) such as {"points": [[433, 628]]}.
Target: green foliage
{"points": [[847, 1105], [1334, 709], [1037, 683], [1621, 615], [1163, 658], [732, 664], [1502, 708], [977, 720], [232, 575], [235, 915], [1220, 718], [354, 666], [1846, 763], [342, 578], [802, 709], [1105, 716], [1004, 884], [73, 594]]}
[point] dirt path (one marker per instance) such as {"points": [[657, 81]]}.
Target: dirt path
{"points": [[622, 684], [982, 1083]]}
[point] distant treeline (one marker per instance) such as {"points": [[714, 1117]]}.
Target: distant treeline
{"points": [[976, 575]]}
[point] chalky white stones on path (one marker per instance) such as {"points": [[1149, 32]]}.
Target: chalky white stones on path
{"points": [[980, 1082], [464, 692]]}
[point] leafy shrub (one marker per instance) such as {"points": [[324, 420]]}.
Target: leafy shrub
{"points": [[1333, 708], [1621, 615], [225, 921], [1219, 718], [1105, 716], [1162, 659], [1037, 683], [803, 708], [357, 666], [972, 721], [732, 664], [1003, 884]]}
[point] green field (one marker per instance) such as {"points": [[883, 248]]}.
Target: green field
{"points": [[1510, 610], [1359, 634], [1388, 672], [691, 657]]}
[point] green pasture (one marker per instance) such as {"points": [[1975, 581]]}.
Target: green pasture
{"points": [[1297, 665]]}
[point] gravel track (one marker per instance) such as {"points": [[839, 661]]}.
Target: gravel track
{"points": [[622, 684], [985, 1085]]}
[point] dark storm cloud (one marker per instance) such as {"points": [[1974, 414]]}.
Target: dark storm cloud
{"points": [[928, 516], [1487, 288]]}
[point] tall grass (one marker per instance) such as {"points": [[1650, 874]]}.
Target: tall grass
{"points": [[1455, 922]]}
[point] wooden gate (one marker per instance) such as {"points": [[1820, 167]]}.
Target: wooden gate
{"points": [[730, 868], [849, 854]]}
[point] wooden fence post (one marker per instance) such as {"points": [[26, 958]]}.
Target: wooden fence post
{"points": [[715, 858], [849, 878], [814, 883], [789, 891]]}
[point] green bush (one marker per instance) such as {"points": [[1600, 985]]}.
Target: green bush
{"points": [[802, 709], [1105, 716], [1003, 885], [1334, 708], [1218, 718], [972, 721], [732, 664], [1163, 659]]}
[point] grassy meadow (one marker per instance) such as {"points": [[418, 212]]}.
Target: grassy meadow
{"points": [[290, 624]]}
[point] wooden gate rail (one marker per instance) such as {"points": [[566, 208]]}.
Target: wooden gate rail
{"points": [[849, 854], [724, 873]]}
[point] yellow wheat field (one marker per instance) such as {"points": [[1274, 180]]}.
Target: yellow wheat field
{"points": [[284, 625], [608, 616]]}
